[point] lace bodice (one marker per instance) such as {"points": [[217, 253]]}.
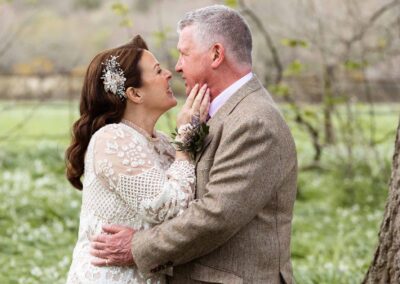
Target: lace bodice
{"points": [[130, 179]]}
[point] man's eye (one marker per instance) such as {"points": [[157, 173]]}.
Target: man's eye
{"points": [[159, 71]]}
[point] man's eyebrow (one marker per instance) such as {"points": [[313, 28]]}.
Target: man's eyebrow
{"points": [[155, 65]]}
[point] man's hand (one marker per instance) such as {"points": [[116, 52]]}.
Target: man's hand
{"points": [[113, 248]]}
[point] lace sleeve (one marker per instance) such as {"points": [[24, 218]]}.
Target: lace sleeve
{"points": [[126, 164]]}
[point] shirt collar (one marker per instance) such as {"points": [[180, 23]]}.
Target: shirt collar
{"points": [[220, 100]]}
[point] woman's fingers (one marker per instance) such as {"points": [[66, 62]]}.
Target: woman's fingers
{"points": [[198, 99], [192, 95], [204, 107], [196, 104]]}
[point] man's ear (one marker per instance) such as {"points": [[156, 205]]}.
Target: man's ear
{"points": [[134, 95], [217, 55]]}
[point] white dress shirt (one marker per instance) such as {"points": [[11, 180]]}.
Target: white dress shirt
{"points": [[221, 99]]}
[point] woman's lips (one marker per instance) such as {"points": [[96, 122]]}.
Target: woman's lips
{"points": [[169, 91]]}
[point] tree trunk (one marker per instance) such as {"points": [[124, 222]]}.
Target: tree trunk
{"points": [[385, 266]]}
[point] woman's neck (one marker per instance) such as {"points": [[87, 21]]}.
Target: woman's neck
{"points": [[144, 120]]}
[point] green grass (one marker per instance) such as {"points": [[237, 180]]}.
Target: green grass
{"points": [[336, 218], [27, 123]]}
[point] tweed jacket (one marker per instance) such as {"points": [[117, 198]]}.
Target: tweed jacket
{"points": [[238, 228]]}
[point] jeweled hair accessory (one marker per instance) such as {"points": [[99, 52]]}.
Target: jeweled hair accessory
{"points": [[113, 77]]}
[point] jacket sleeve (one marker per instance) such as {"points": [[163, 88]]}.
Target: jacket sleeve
{"points": [[243, 178]]}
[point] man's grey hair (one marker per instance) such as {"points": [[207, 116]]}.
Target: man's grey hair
{"points": [[218, 23]]}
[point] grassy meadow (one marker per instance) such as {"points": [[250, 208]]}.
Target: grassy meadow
{"points": [[337, 214]]}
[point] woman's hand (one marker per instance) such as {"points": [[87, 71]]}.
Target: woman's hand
{"points": [[197, 104]]}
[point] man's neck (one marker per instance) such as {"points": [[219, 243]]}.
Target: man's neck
{"points": [[218, 84]]}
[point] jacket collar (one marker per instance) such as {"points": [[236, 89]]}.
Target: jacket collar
{"points": [[251, 86]]}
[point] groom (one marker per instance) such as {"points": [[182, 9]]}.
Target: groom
{"points": [[238, 228]]}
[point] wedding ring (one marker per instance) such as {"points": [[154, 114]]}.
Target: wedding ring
{"points": [[106, 262]]}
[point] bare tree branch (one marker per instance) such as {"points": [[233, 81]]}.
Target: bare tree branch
{"points": [[375, 16], [299, 117], [270, 43], [12, 38]]}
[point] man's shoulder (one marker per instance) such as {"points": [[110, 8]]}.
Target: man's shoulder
{"points": [[258, 104], [257, 111]]}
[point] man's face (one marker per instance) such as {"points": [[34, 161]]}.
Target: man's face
{"points": [[194, 60]]}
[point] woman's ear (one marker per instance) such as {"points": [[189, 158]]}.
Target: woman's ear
{"points": [[134, 95], [217, 55]]}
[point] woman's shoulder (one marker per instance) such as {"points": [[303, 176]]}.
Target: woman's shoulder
{"points": [[113, 133], [112, 129], [118, 134]]}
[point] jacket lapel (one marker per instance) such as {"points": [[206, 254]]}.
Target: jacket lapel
{"points": [[207, 141], [219, 117]]}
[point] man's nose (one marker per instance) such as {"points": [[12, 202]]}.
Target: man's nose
{"points": [[178, 66]]}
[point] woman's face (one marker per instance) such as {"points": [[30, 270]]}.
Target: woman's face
{"points": [[156, 91]]}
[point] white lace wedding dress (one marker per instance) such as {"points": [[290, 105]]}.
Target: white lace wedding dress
{"points": [[130, 179]]}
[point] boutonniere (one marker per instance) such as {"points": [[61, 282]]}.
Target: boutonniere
{"points": [[191, 137]]}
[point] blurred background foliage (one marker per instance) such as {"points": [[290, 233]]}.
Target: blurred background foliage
{"points": [[333, 66]]}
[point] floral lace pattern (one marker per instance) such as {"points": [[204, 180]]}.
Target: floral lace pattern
{"points": [[129, 180]]}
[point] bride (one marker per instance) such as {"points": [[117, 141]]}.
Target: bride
{"points": [[132, 174]]}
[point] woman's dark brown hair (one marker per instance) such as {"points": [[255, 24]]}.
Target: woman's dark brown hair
{"points": [[98, 107]]}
